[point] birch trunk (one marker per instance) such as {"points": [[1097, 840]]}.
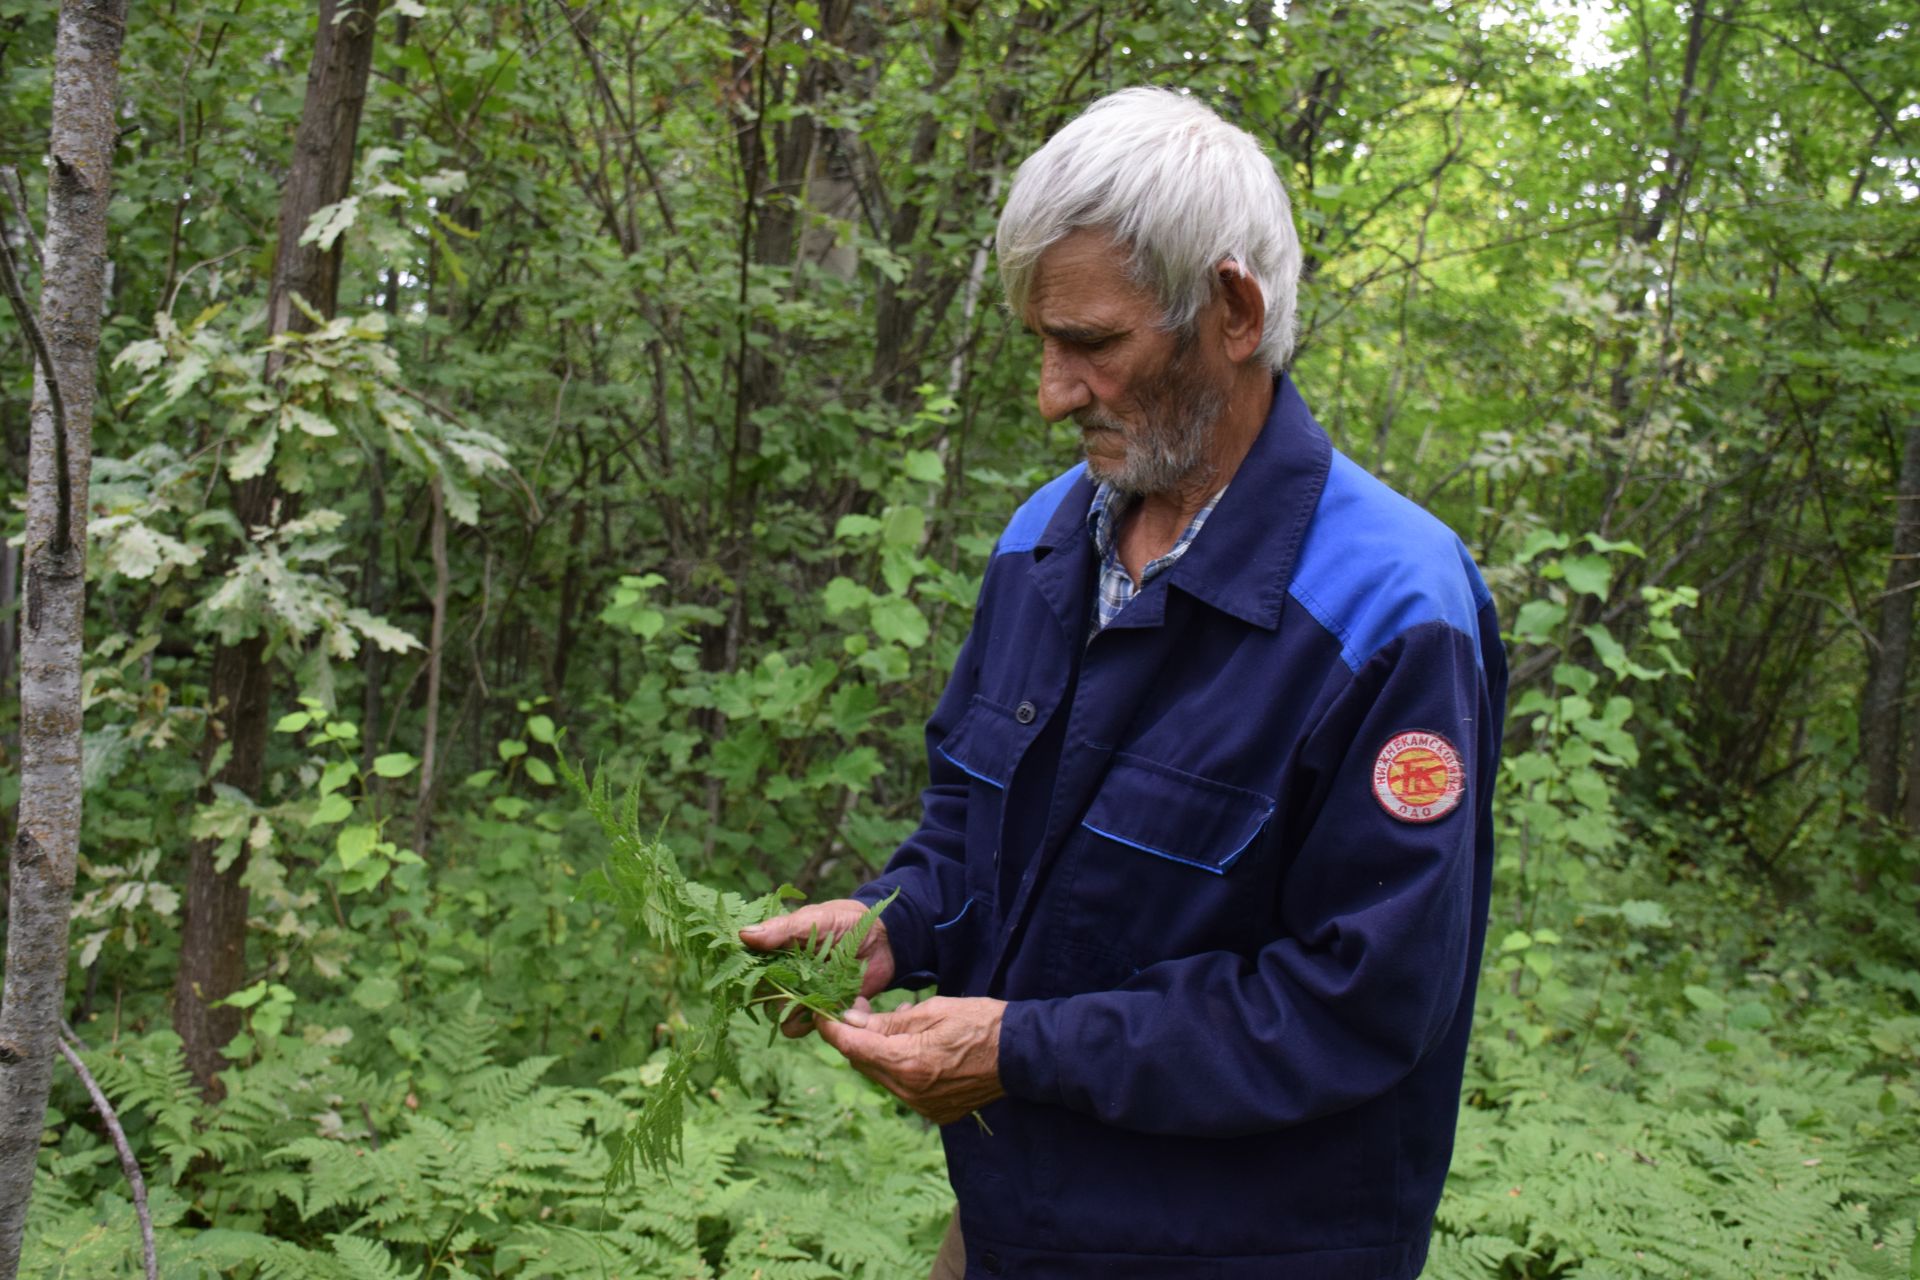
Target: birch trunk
{"points": [[72, 286]]}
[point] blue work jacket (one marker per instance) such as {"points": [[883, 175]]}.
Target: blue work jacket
{"points": [[1228, 862]]}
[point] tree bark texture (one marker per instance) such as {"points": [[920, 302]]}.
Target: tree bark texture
{"points": [[1880, 707], [436, 648], [213, 943], [73, 284]]}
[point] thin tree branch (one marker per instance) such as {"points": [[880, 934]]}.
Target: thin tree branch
{"points": [[204, 262], [23, 311], [10, 178], [128, 1165]]}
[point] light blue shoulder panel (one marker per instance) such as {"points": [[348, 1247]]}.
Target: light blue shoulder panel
{"points": [[1030, 521], [1375, 565]]}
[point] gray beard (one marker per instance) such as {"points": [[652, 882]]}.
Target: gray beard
{"points": [[1167, 452]]}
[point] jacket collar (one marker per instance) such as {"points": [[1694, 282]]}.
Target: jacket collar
{"points": [[1242, 562]]}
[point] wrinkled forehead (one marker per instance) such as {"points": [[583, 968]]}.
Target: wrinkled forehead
{"points": [[1085, 280]]}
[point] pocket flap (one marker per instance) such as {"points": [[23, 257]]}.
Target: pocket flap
{"points": [[987, 742], [1174, 815]]}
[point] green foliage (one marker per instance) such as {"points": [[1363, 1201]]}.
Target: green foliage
{"points": [[643, 880], [472, 1166], [1681, 1117], [725, 434]]}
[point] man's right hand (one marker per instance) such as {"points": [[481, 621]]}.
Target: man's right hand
{"points": [[830, 920]]}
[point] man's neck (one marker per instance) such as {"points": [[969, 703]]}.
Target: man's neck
{"points": [[1155, 521]]}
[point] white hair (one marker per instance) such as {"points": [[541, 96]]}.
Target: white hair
{"points": [[1176, 185]]}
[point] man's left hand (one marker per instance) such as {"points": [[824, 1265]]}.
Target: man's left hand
{"points": [[940, 1057]]}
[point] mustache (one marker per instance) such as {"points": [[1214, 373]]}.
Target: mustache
{"points": [[1091, 419]]}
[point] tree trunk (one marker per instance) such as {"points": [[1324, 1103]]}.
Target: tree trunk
{"points": [[1880, 706], [213, 936], [436, 648], [73, 284], [1912, 811]]}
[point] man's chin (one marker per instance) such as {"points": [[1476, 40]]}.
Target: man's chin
{"points": [[1104, 468]]}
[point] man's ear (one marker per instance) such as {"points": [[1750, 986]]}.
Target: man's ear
{"points": [[1245, 318]]}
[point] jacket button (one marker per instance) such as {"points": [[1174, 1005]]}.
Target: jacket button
{"points": [[1025, 713], [991, 1262]]}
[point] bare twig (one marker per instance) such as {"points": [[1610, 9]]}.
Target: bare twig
{"points": [[128, 1165], [204, 262], [23, 311], [10, 179]]}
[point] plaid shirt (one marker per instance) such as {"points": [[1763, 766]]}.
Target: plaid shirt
{"points": [[1116, 584]]}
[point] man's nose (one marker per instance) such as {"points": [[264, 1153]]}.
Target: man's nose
{"points": [[1063, 390]]}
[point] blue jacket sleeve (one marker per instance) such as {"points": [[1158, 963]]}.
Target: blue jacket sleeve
{"points": [[929, 869], [1375, 935]]}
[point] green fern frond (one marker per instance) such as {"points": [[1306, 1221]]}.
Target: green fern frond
{"points": [[365, 1260], [702, 924], [272, 1259]]}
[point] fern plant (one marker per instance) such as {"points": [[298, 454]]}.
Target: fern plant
{"points": [[702, 925]]}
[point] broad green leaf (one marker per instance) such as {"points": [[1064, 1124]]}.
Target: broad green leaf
{"points": [[329, 221], [540, 729], [842, 594], [292, 722], [144, 355], [293, 415], [251, 458], [381, 632], [188, 372], [539, 770], [396, 764], [510, 748], [376, 992], [896, 618], [246, 997], [905, 527], [1644, 913], [354, 844], [1589, 575], [1539, 621], [332, 808], [1542, 540], [924, 465]]}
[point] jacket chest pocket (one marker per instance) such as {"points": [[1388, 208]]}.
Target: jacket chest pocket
{"points": [[1164, 864], [986, 744]]}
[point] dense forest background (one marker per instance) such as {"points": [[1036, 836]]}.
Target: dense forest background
{"points": [[646, 399]]}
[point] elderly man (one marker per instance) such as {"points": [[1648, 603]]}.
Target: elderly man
{"points": [[1202, 876]]}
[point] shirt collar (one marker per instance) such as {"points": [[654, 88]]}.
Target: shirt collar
{"points": [[1109, 508]]}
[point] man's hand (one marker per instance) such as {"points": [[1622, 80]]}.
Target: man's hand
{"points": [[942, 1057], [830, 919]]}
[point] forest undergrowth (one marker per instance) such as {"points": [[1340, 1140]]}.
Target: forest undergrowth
{"points": [[1731, 1103]]}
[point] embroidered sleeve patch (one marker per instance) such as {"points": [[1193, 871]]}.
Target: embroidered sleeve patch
{"points": [[1418, 777]]}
